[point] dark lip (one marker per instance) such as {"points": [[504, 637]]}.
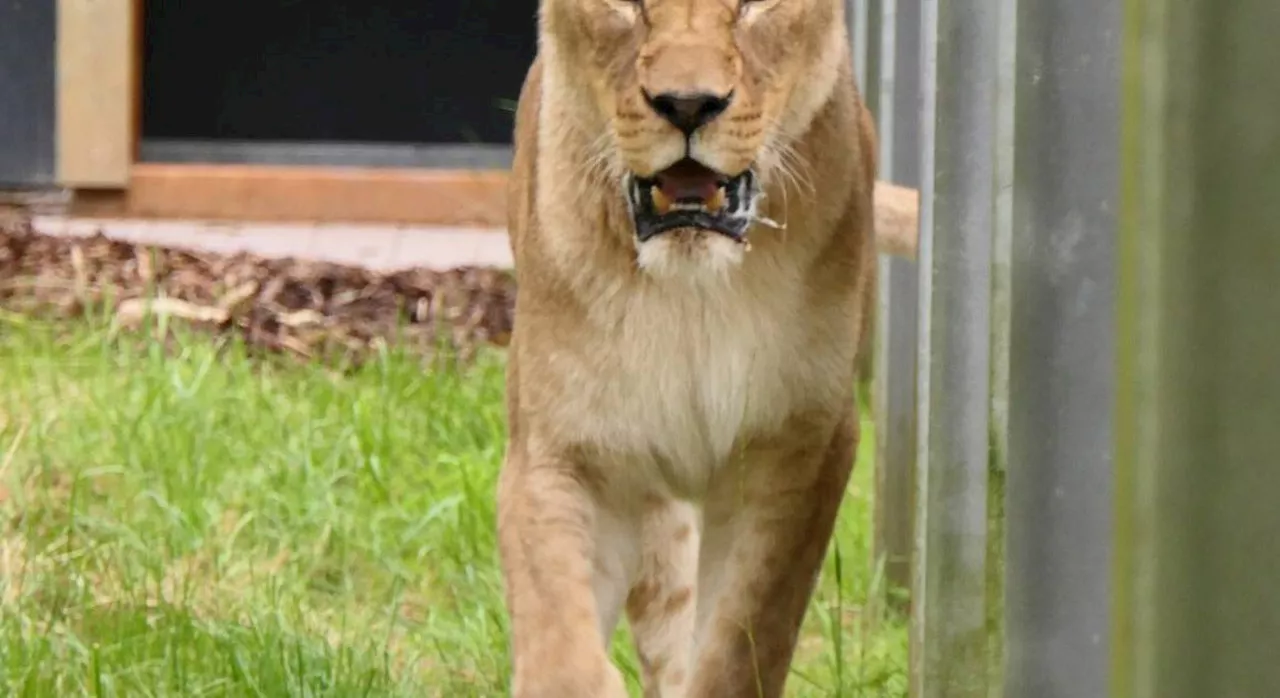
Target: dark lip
{"points": [[733, 220]]}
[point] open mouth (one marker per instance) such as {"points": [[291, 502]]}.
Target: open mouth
{"points": [[690, 195]]}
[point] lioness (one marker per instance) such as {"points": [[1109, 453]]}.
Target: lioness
{"points": [[691, 221]]}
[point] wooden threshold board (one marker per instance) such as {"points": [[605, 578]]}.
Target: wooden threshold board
{"points": [[370, 196], [304, 194]]}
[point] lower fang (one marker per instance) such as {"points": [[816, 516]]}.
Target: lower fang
{"points": [[661, 203], [716, 202]]}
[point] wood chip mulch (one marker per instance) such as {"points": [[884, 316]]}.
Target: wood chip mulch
{"points": [[304, 308]]}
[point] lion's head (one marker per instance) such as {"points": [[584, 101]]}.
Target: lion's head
{"points": [[698, 102]]}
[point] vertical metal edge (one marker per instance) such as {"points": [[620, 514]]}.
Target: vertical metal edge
{"points": [[855, 12], [896, 312], [1135, 332], [1061, 374], [1001, 254], [929, 639], [959, 91], [873, 12], [1195, 610]]}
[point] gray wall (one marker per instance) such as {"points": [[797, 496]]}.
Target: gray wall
{"points": [[27, 116]]}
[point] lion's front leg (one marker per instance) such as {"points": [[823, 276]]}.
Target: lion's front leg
{"points": [[767, 524], [562, 597]]}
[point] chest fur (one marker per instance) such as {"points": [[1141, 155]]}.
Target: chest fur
{"points": [[680, 378]]}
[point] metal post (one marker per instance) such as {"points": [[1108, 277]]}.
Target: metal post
{"points": [[1061, 385], [1198, 428], [898, 126], [864, 38], [1001, 299], [864, 32], [957, 194]]}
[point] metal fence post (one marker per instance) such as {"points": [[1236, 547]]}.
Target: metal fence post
{"points": [[864, 33], [1061, 379], [1198, 423], [898, 125], [864, 39], [1001, 298], [959, 71]]}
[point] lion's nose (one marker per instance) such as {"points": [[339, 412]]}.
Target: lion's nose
{"points": [[689, 111]]}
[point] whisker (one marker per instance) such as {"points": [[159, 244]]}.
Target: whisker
{"points": [[600, 164]]}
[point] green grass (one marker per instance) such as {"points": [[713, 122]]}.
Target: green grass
{"points": [[191, 521]]}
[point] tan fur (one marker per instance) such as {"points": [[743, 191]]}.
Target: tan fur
{"points": [[682, 413]]}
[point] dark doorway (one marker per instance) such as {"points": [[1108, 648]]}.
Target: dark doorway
{"points": [[336, 71]]}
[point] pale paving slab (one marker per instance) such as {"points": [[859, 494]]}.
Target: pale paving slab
{"points": [[381, 248]]}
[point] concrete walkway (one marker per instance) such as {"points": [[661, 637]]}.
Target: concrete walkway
{"points": [[382, 248]]}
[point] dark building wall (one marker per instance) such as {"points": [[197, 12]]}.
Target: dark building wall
{"points": [[27, 116], [409, 71]]}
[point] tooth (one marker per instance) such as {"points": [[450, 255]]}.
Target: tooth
{"points": [[661, 203], [716, 202]]}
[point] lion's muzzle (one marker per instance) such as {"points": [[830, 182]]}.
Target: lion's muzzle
{"points": [[691, 195]]}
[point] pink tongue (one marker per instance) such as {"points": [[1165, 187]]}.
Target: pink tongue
{"points": [[687, 180]]}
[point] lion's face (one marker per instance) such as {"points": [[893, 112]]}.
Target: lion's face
{"points": [[701, 99]]}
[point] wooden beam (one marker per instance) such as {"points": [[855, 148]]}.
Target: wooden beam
{"points": [[305, 194], [897, 209], [465, 198], [97, 89]]}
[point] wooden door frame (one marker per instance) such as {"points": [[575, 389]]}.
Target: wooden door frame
{"points": [[99, 100]]}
